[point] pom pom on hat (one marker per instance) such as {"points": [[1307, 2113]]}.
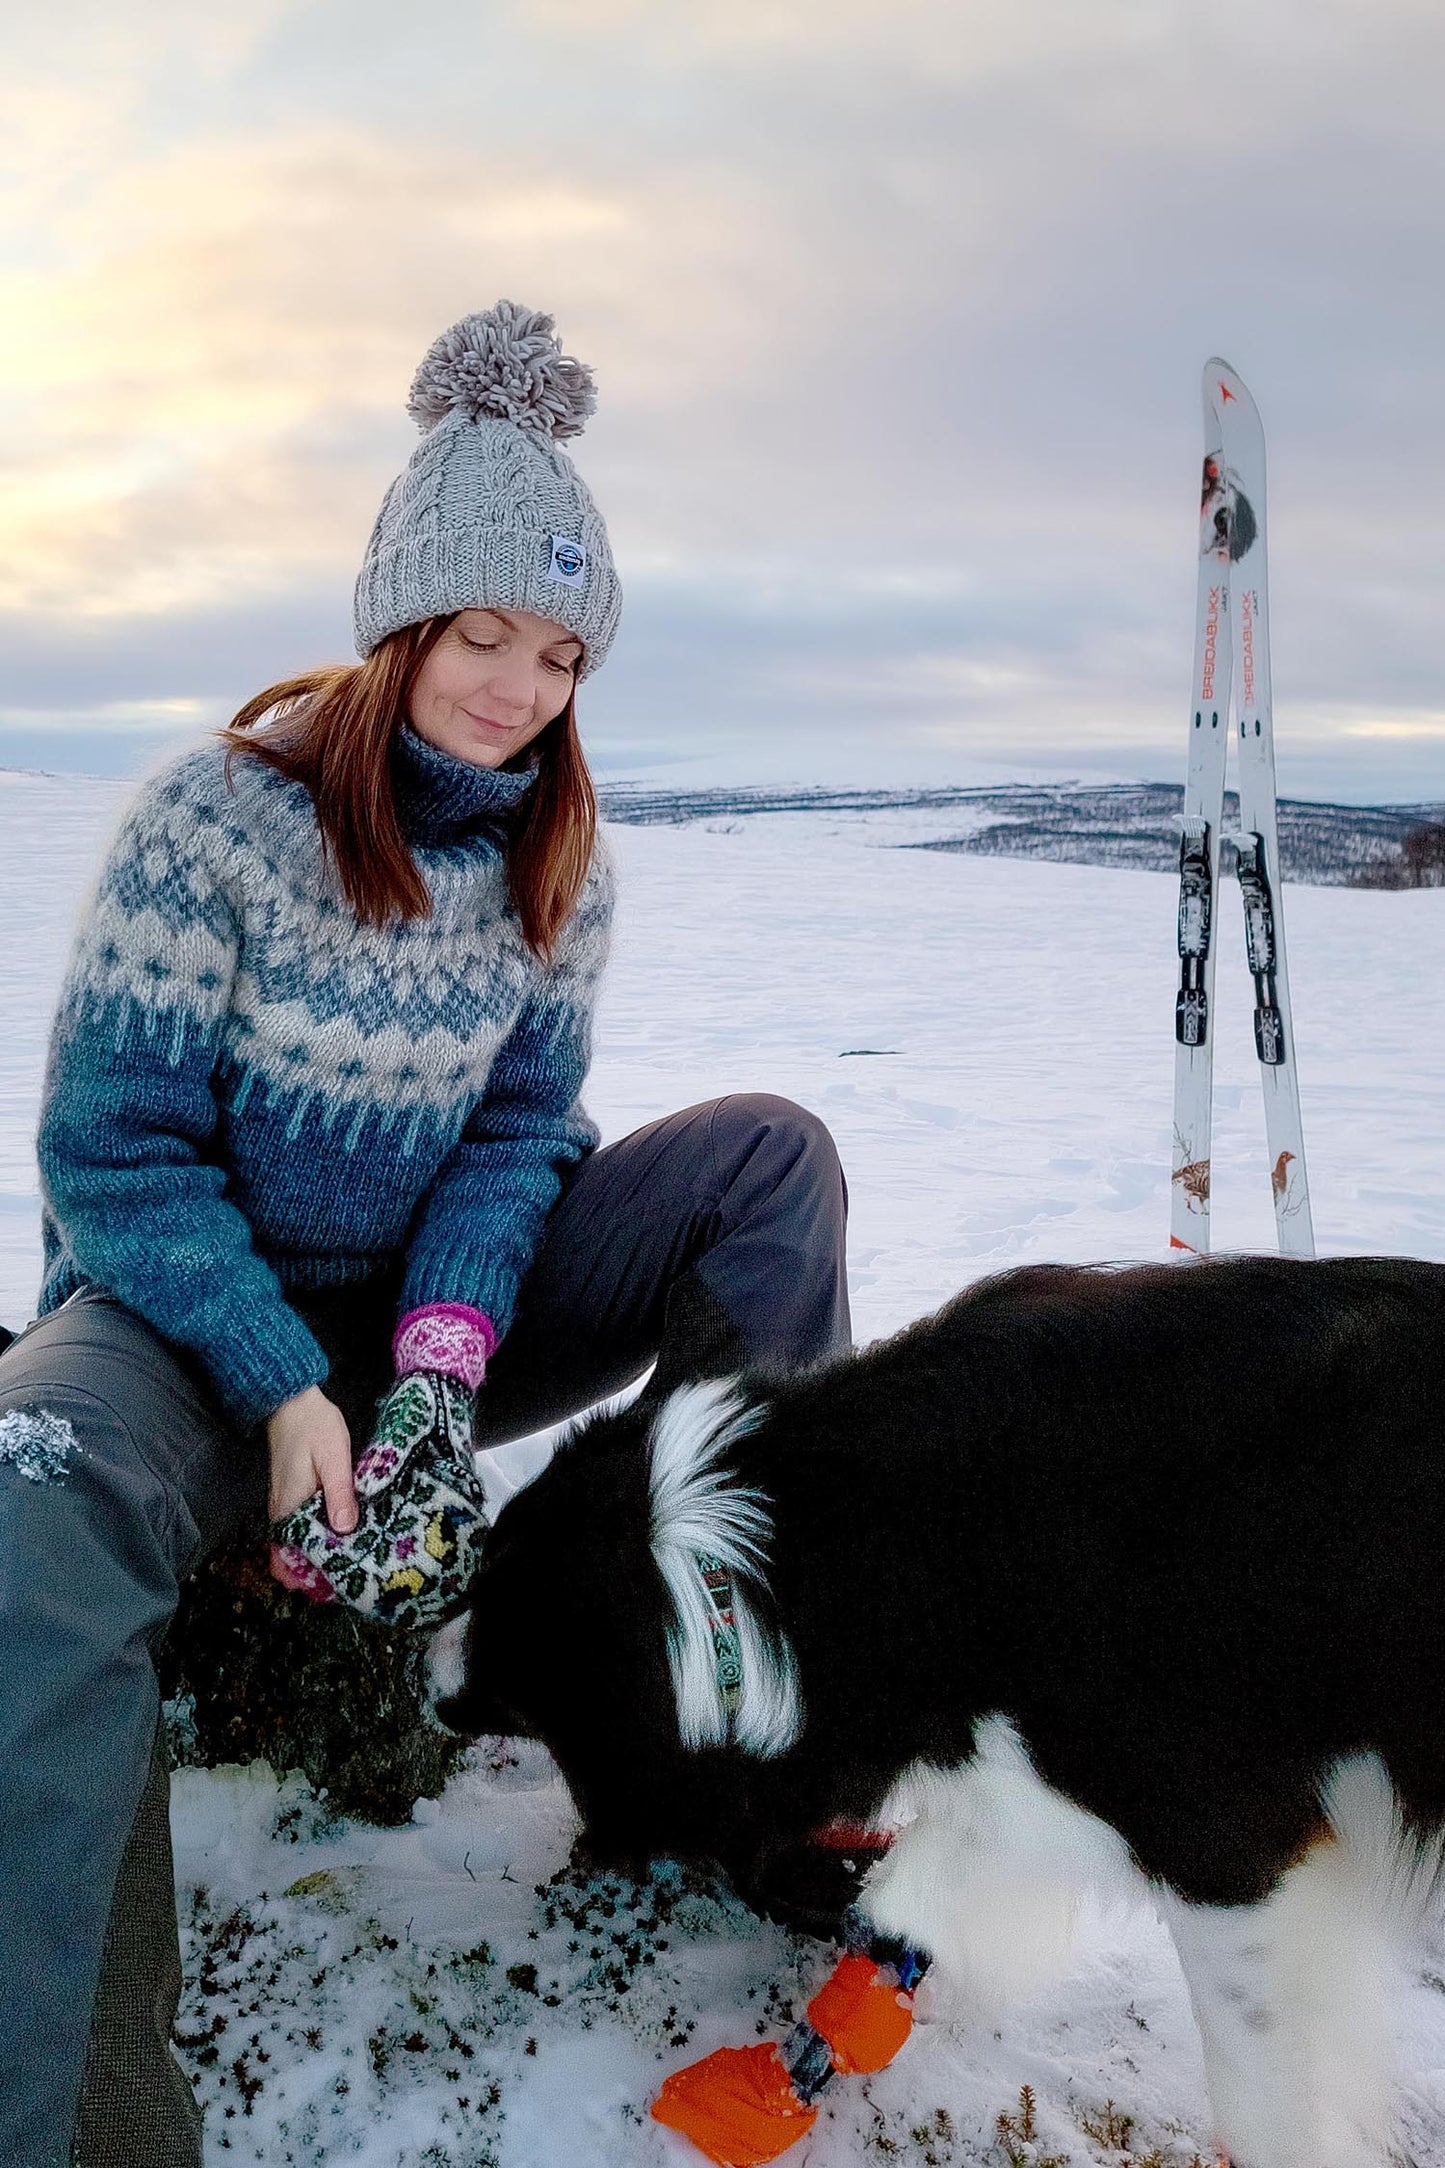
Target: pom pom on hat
{"points": [[507, 362]]}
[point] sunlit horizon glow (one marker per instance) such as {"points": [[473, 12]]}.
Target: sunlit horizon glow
{"points": [[897, 314]]}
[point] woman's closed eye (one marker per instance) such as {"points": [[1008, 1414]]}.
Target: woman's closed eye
{"points": [[488, 647]]}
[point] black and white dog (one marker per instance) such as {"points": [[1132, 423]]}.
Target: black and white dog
{"points": [[1099, 1575]]}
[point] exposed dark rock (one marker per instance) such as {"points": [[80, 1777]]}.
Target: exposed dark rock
{"points": [[253, 1673], [1107, 824]]}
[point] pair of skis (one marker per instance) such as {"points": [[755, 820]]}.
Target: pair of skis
{"points": [[1231, 665]]}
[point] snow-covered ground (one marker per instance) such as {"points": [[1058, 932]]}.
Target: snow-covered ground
{"points": [[990, 1042]]}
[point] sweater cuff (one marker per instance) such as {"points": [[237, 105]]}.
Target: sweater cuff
{"points": [[440, 1271], [450, 1337], [253, 1373]]}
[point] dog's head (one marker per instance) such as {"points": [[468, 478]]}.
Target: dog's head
{"points": [[594, 1626]]}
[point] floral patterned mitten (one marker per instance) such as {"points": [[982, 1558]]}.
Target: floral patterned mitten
{"points": [[418, 1542]]}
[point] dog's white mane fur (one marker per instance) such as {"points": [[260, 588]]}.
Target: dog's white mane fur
{"points": [[697, 1508]]}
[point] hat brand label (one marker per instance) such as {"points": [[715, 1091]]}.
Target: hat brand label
{"points": [[569, 561]]}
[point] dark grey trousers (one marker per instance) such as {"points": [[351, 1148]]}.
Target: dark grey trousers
{"points": [[708, 1239]]}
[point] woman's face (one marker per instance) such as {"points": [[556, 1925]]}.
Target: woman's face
{"points": [[492, 681]]}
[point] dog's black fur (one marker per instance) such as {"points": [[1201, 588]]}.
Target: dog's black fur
{"points": [[1184, 1526]]}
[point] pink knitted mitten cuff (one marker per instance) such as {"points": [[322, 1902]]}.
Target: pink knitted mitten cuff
{"points": [[449, 1337]]}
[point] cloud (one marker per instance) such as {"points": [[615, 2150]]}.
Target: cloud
{"points": [[211, 381], [896, 312]]}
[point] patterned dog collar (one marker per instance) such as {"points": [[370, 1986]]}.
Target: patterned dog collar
{"points": [[726, 1648]]}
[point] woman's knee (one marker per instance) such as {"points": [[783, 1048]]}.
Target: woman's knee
{"points": [[77, 1495], [796, 1137], [96, 1428]]}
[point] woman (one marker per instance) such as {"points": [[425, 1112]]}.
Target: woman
{"points": [[311, 1137]]}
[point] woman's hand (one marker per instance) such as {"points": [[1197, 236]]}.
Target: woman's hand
{"points": [[311, 1451], [423, 1508]]}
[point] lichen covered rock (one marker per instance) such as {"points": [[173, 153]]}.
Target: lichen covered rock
{"points": [[252, 1672]]}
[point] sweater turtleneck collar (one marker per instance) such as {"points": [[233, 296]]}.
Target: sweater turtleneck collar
{"points": [[442, 799]]}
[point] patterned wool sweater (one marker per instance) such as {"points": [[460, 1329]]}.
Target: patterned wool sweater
{"points": [[249, 1092]]}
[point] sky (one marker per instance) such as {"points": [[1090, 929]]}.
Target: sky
{"points": [[896, 308]]}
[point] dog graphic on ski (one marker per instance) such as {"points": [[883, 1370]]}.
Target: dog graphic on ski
{"points": [[1229, 527]]}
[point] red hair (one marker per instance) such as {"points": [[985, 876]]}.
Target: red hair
{"points": [[333, 731]]}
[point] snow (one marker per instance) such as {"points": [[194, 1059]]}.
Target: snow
{"points": [[990, 1043], [37, 1444]]}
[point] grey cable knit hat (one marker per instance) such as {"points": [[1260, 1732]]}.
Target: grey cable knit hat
{"points": [[489, 509]]}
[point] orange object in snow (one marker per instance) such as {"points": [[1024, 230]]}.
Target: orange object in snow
{"points": [[737, 2106], [863, 2014], [740, 2107]]}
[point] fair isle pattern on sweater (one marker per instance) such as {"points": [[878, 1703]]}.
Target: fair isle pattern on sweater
{"points": [[249, 1092]]}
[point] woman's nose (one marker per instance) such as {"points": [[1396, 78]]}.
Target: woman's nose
{"points": [[512, 686]]}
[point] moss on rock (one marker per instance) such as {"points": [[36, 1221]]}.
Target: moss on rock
{"points": [[253, 1672]]}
